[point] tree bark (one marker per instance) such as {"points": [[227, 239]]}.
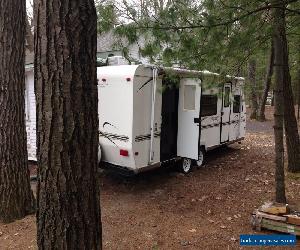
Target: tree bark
{"points": [[268, 80], [291, 128], [278, 27], [253, 91], [16, 197], [68, 215], [298, 87], [298, 82], [290, 120]]}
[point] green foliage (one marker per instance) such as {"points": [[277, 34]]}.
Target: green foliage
{"points": [[219, 35], [129, 31], [107, 17]]}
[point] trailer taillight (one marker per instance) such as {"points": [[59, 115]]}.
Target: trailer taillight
{"points": [[128, 79], [124, 152]]}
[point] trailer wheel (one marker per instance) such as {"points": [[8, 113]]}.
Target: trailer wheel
{"points": [[186, 165], [201, 158]]}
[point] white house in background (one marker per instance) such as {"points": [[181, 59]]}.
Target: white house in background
{"points": [[109, 44], [30, 106]]}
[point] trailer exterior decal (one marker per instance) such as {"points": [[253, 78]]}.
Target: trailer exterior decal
{"points": [[236, 122], [114, 136], [145, 84], [140, 138], [107, 123]]}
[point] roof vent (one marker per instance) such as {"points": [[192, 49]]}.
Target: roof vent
{"points": [[116, 60]]}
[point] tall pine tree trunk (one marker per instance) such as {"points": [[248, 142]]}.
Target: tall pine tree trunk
{"points": [[298, 82], [290, 120], [16, 197], [278, 26], [253, 90], [261, 113], [298, 88], [290, 125], [68, 215]]}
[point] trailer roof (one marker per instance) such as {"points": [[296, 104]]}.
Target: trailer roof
{"points": [[188, 72], [118, 70], [128, 70]]}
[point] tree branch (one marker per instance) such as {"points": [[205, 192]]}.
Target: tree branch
{"points": [[267, 7]]}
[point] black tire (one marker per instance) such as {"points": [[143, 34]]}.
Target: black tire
{"points": [[186, 165], [201, 158]]}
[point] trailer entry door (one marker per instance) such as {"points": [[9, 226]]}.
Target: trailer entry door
{"points": [[188, 118], [225, 119]]}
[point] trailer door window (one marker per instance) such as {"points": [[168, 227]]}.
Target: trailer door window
{"points": [[189, 97], [237, 104], [226, 97], [209, 105]]}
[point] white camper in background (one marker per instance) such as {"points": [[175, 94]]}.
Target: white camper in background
{"points": [[145, 121]]}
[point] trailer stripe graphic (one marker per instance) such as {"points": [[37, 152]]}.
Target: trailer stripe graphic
{"points": [[114, 136], [140, 138], [224, 123]]}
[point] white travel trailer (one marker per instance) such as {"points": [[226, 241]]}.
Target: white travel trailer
{"points": [[149, 116]]}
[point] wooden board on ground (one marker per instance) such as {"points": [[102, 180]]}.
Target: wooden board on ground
{"points": [[274, 208], [271, 216], [280, 226], [293, 219]]}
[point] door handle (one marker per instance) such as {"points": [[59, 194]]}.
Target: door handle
{"points": [[196, 120]]}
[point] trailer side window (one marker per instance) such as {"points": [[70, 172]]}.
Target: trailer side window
{"points": [[209, 105], [237, 104], [189, 97], [226, 97]]}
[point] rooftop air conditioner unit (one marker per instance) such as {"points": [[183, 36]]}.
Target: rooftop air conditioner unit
{"points": [[117, 60]]}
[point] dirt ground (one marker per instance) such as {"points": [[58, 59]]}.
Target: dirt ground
{"points": [[163, 209]]}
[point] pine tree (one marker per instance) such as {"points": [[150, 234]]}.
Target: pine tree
{"points": [[279, 53], [253, 87], [16, 197], [68, 215]]}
